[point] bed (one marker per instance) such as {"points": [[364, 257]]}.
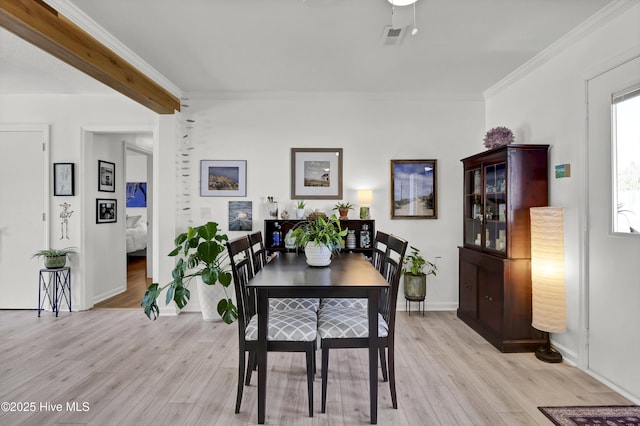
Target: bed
{"points": [[136, 236]]}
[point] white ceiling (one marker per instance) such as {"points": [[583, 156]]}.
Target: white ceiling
{"points": [[462, 48]]}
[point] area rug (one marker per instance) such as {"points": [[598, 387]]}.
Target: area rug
{"points": [[614, 415]]}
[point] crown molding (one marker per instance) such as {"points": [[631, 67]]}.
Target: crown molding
{"points": [[82, 20], [600, 18]]}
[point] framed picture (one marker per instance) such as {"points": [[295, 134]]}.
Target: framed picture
{"points": [[63, 179], [106, 210], [240, 216], [136, 194], [316, 173], [223, 178], [413, 189], [106, 176]]}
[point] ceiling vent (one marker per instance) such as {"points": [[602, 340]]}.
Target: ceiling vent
{"points": [[393, 36]]}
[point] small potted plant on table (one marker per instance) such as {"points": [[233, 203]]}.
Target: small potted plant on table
{"points": [[320, 238], [343, 209], [300, 209], [55, 258]]}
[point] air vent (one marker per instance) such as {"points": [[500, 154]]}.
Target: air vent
{"points": [[393, 36]]}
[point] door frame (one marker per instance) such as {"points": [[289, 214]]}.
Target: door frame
{"points": [[86, 134]]}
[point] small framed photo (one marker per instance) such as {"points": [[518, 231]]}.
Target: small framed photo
{"points": [[223, 178], [413, 189], [106, 176], [240, 215], [316, 173], [136, 194], [106, 210], [63, 179]]}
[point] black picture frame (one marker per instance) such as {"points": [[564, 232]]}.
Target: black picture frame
{"points": [[63, 179], [106, 176], [414, 189], [106, 210]]}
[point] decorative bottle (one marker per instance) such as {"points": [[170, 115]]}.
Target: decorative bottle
{"points": [[365, 236], [351, 239], [276, 235]]}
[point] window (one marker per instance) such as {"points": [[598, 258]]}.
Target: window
{"points": [[626, 160]]}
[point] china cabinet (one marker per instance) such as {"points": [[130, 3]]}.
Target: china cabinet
{"points": [[494, 261]]}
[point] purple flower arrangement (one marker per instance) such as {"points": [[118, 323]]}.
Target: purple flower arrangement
{"points": [[497, 137]]}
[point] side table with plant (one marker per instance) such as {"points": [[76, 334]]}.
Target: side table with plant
{"points": [[415, 269]]}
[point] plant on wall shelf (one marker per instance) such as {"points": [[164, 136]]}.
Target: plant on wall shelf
{"points": [[201, 252]]}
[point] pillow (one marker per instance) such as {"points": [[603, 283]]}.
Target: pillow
{"points": [[132, 221]]}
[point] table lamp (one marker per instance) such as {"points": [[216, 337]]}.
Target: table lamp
{"points": [[547, 277], [365, 198]]}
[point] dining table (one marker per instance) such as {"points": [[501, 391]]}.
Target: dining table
{"points": [[288, 275]]}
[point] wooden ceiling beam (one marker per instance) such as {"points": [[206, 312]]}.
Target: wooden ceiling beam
{"points": [[41, 25]]}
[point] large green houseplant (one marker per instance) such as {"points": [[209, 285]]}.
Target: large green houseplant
{"points": [[415, 269], [55, 258], [320, 239], [201, 252]]}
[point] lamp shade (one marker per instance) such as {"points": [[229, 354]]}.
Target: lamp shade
{"points": [[365, 196], [547, 270]]}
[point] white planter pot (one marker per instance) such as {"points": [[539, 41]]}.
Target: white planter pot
{"points": [[299, 213], [208, 297], [317, 255]]}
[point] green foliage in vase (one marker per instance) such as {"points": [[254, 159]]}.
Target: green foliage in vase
{"points": [[320, 231]]}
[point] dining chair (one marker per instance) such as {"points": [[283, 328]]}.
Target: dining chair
{"points": [[259, 256], [341, 327], [380, 248], [289, 330]]}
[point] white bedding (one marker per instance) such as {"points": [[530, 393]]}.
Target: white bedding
{"points": [[137, 237]]}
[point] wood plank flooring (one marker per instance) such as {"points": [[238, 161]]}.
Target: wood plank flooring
{"points": [[121, 368], [137, 283]]}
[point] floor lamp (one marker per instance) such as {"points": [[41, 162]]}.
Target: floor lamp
{"points": [[547, 277]]}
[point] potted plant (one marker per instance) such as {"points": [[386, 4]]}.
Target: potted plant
{"points": [[300, 209], [201, 252], [320, 238], [55, 258], [343, 209], [415, 269]]}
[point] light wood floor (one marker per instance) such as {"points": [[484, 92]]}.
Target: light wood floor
{"points": [[137, 283], [182, 371]]}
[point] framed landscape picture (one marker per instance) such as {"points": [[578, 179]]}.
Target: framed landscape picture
{"points": [[106, 176], [316, 173], [223, 178], [106, 210], [413, 189], [240, 215]]}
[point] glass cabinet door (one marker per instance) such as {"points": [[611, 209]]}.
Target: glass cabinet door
{"points": [[495, 207], [473, 207]]}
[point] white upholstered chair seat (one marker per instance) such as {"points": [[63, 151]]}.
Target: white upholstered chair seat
{"points": [[279, 304], [340, 323], [292, 325], [344, 302]]}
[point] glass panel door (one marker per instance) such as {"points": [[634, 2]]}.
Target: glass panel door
{"points": [[473, 207]]}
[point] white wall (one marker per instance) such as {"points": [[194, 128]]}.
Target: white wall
{"points": [[67, 115], [547, 105], [372, 130]]}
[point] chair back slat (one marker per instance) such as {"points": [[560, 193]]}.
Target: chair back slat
{"points": [[258, 252], [396, 249], [380, 248], [242, 270]]}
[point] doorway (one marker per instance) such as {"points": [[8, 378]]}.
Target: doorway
{"points": [[613, 290]]}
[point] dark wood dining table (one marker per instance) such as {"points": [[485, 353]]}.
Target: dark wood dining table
{"points": [[288, 275]]}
